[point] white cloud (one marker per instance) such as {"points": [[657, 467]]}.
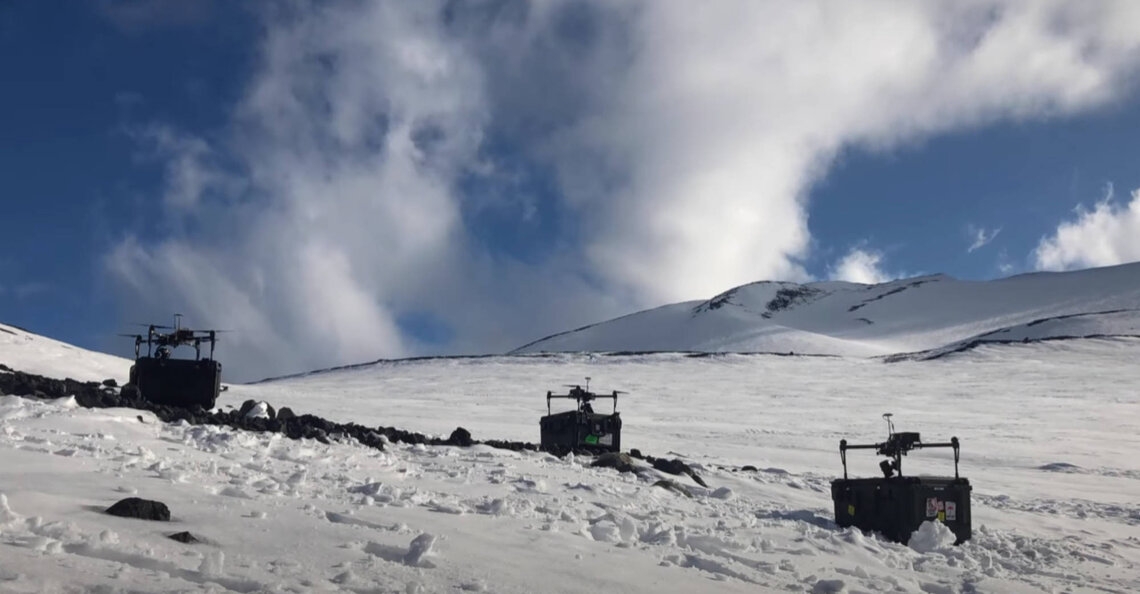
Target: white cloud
{"points": [[1106, 235], [728, 114], [861, 265], [981, 237], [351, 141], [684, 141]]}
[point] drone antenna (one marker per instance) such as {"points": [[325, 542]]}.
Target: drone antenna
{"points": [[177, 321], [587, 383], [890, 424]]}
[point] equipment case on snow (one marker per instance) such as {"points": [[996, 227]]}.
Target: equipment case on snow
{"points": [[581, 429], [184, 383], [896, 505]]}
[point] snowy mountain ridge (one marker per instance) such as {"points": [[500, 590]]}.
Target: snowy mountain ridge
{"points": [[923, 315]]}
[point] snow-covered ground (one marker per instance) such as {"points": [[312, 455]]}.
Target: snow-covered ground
{"points": [[856, 320], [32, 353], [1049, 434]]}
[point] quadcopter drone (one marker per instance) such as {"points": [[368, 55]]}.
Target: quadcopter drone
{"points": [[580, 429], [162, 379], [896, 446], [583, 396], [161, 345]]}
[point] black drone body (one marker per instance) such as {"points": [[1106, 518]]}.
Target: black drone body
{"points": [[163, 379], [896, 505], [581, 429]]}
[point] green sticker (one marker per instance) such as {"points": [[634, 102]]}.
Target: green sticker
{"points": [[592, 439]]}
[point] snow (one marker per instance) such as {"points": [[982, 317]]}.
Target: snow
{"points": [[1049, 433], [31, 353], [931, 537], [837, 318]]}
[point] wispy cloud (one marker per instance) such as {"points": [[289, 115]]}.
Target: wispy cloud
{"points": [[136, 16], [980, 237], [1107, 234], [192, 168], [682, 145], [24, 290], [1005, 264]]}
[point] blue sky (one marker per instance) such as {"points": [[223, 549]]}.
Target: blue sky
{"points": [[345, 181]]}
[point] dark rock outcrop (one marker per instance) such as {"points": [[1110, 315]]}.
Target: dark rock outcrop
{"points": [[460, 437], [143, 509], [184, 537], [284, 421]]}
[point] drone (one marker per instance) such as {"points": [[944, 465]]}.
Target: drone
{"points": [[896, 446], [580, 429], [161, 345], [583, 396]]}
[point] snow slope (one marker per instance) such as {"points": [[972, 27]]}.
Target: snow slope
{"points": [[848, 319], [1049, 433], [32, 353]]}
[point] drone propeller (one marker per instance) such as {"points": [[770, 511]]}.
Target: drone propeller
{"points": [[155, 326]]}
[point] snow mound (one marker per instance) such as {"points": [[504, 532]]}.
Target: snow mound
{"points": [[930, 537]]}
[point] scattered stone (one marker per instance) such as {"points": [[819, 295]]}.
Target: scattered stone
{"points": [[419, 548], [678, 467], [672, 485], [110, 383], [749, 467], [247, 406], [285, 414], [184, 537], [829, 587], [143, 509], [617, 460]]}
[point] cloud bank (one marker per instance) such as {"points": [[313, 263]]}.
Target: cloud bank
{"points": [[1107, 234], [507, 169]]}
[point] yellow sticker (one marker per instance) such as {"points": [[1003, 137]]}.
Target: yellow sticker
{"points": [[850, 509], [941, 516]]}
